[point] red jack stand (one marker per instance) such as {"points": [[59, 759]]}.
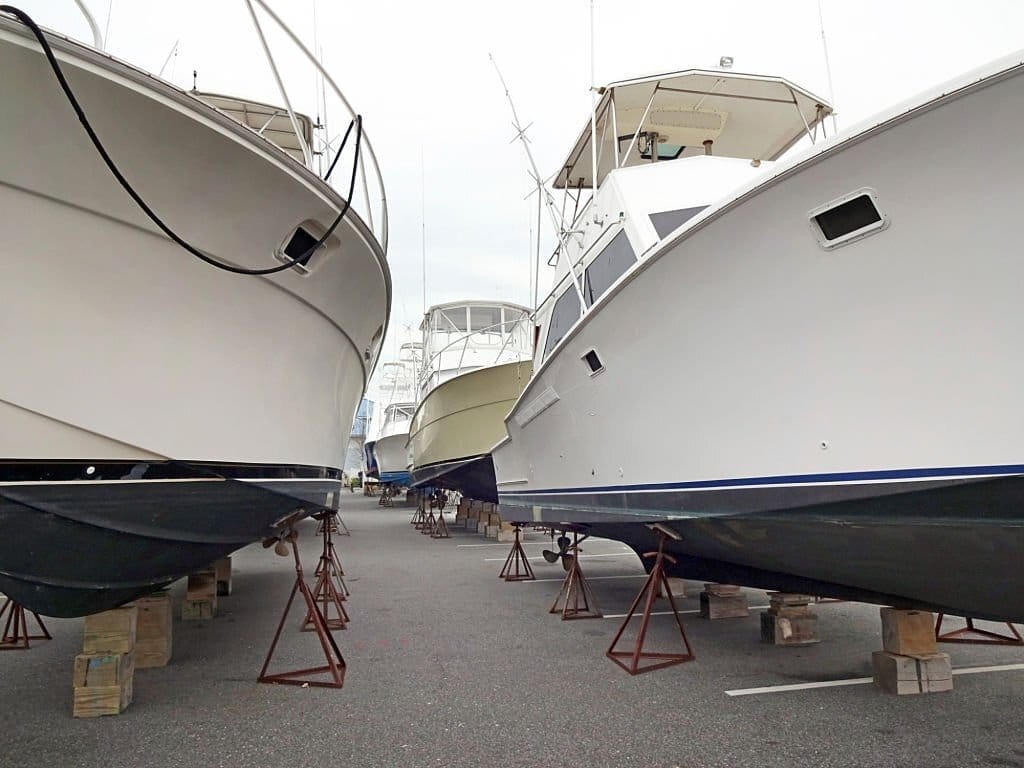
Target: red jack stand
{"points": [[335, 667], [429, 521], [650, 590], [331, 563], [517, 567], [575, 594], [971, 634], [16, 636]]}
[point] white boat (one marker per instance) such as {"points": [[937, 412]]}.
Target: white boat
{"points": [[398, 403], [157, 412], [477, 359], [806, 366]]}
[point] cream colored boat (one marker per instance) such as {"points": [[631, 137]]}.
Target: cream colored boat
{"points": [[478, 361]]}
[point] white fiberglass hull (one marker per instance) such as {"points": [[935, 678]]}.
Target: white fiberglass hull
{"points": [[844, 420], [391, 455], [138, 379]]}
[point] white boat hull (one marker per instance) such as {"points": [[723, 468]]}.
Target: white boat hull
{"points": [[760, 388], [128, 362]]}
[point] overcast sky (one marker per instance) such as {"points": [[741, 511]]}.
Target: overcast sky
{"points": [[419, 73]]}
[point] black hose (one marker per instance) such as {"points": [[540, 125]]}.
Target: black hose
{"points": [[25, 19]]}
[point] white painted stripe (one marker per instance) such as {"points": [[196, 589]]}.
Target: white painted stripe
{"points": [[860, 681], [169, 480], [582, 557], [995, 668], [113, 482], [589, 578], [668, 613]]}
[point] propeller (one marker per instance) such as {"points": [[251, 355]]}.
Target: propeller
{"points": [[563, 553]]}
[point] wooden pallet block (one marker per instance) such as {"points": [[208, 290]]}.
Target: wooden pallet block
{"points": [[222, 570], [103, 684], [154, 632], [99, 700], [195, 610], [112, 631], [908, 633], [723, 606], [904, 674], [202, 585]]}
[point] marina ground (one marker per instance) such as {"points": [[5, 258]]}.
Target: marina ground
{"points": [[449, 666]]}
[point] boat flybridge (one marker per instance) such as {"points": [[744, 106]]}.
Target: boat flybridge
{"points": [[665, 148], [476, 361], [818, 347]]}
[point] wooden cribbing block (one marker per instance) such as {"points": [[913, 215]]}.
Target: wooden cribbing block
{"points": [[104, 684], [202, 585], [97, 670], [908, 633], [222, 569], [195, 610], [730, 605], [153, 636], [899, 674], [112, 631]]}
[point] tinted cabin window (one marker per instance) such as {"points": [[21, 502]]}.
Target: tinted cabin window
{"points": [[615, 259], [849, 217], [563, 317], [667, 221]]}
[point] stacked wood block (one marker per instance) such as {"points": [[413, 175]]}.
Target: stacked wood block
{"points": [[485, 509], [472, 514], [460, 513], [200, 596], [105, 670], [789, 620], [493, 524], [910, 662], [506, 532], [723, 601], [153, 633], [223, 570]]}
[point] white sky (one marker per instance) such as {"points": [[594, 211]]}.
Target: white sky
{"points": [[420, 75]]}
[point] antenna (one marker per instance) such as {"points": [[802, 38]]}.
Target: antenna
{"points": [[423, 226], [541, 190], [593, 109], [828, 68], [173, 53]]}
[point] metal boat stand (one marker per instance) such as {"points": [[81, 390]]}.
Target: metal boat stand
{"points": [[648, 593], [386, 496], [16, 636], [440, 527], [334, 669], [429, 521], [419, 515], [975, 636], [576, 597], [517, 567], [329, 561]]}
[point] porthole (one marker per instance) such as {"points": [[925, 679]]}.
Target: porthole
{"points": [[847, 219], [593, 362]]}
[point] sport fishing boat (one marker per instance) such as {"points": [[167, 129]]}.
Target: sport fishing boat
{"points": [[174, 385], [398, 398], [477, 359], [818, 349]]}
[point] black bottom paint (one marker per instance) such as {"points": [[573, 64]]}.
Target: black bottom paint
{"points": [[956, 549], [473, 477], [75, 548]]}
